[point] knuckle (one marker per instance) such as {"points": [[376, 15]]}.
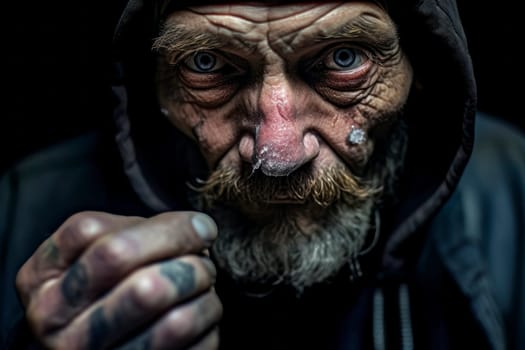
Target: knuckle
{"points": [[112, 254], [146, 292], [180, 323], [83, 225]]}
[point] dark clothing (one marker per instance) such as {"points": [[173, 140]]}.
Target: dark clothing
{"points": [[448, 270], [465, 291]]}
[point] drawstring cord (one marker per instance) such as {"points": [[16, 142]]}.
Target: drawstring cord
{"points": [[353, 264], [378, 320], [407, 338]]}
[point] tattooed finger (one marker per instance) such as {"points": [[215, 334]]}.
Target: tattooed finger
{"points": [[57, 252], [140, 299], [193, 324]]}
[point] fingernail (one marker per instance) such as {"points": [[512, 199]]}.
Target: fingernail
{"points": [[204, 226]]}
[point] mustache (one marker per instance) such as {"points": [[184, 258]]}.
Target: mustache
{"points": [[322, 187]]}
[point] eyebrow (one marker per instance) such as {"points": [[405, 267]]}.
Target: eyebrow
{"points": [[365, 28], [178, 38]]}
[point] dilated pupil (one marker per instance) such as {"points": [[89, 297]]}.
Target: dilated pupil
{"points": [[344, 57], [204, 61]]}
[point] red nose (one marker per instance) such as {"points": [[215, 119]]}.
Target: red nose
{"points": [[282, 141]]}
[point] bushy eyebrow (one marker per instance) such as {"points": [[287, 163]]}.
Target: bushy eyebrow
{"points": [[177, 38], [366, 29]]}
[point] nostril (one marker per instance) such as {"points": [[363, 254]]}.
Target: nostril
{"points": [[283, 159], [247, 148], [311, 146]]}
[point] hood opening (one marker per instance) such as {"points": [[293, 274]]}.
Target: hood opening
{"points": [[440, 118]]}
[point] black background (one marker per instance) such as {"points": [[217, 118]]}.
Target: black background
{"points": [[56, 73]]}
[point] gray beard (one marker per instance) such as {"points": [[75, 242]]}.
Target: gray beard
{"points": [[300, 245], [283, 251]]}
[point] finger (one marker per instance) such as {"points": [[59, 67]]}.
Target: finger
{"points": [[144, 295], [114, 256], [209, 342], [191, 326], [56, 253]]}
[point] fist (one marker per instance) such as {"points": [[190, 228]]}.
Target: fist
{"points": [[105, 281]]}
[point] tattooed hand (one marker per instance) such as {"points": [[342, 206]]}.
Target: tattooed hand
{"points": [[105, 281]]}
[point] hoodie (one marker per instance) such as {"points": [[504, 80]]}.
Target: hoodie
{"points": [[428, 288]]}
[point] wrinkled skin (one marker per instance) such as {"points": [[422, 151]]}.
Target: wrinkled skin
{"points": [[272, 94], [276, 101], [275, 98]]}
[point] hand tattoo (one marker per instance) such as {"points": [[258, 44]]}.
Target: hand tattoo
{"points": [[181, 275], [99, 329], [75, 284]]}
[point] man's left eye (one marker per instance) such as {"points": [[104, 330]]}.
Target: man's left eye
{"points": [[204, 62], [343, 58]]}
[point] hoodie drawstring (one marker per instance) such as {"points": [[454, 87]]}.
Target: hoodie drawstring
{"points": [[378, 319], [407, 338]]}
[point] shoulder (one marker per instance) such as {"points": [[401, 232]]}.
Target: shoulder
{"points": [[498, 147], [487, 213], [492, 189]]}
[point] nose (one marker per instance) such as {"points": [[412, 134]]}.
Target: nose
{"points": [[282, 142]]}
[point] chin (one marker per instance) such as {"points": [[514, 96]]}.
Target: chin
{"points": [[292, 245]]}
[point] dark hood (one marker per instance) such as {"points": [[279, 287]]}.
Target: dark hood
{"points": [[440, 117]]}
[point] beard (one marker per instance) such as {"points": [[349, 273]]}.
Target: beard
{"points": [[301, 229]]}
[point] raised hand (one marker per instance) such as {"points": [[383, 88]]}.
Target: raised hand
{"points": [[104, 281]]}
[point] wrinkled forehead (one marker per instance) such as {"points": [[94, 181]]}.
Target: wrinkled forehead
{"points": [[166, 7], [285, 28], [276, 21]]}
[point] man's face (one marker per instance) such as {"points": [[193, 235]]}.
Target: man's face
{"points": [[288, 105]]}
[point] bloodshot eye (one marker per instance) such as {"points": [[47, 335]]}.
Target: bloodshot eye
{"points": [[204, 62]]}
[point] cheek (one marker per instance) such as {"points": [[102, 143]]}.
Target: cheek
{"points": [[374, 113], [216, 137], [215, 131], [386, 99]]}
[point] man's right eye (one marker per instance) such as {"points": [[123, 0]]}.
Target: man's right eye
{"points": [[205, 62]]}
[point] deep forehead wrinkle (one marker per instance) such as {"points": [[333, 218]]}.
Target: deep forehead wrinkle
{"points": [[362, 27], [263, 13]]}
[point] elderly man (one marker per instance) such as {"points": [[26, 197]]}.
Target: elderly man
{"points": [[324, 142]]}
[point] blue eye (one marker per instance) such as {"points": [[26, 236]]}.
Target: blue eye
{"points": [[344, 57], [204, 62]]}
